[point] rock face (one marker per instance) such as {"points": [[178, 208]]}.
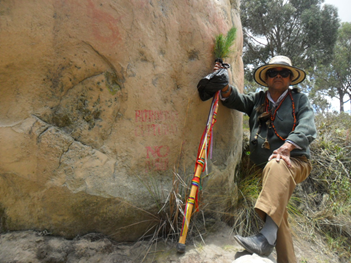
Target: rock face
{"points": [[98, 101]]}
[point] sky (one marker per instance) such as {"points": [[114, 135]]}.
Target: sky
{"points": [[344, 8]]}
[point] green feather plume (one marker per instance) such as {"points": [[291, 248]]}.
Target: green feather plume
{"points": [[223, 43]]}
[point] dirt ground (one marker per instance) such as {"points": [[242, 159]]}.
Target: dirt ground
{"points": [[218, 246]]}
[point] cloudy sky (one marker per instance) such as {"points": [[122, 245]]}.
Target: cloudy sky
{"points": [[344, 9]]}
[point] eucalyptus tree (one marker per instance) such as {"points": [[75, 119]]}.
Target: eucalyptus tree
{"points": [[304, 30], [334, 80]]}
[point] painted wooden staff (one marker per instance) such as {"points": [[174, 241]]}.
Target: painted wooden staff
{"points": [[221, 50], [199, 167]]}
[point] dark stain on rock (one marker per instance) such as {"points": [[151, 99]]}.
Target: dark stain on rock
{"points": [[112, 83], [130, 71], [2, 220], [155, 81], [61, 120], [89, 116], [193, 54], [143, 57]]}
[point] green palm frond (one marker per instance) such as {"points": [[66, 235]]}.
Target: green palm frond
{"points": [[223, 43]]}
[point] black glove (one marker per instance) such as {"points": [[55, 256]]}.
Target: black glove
{"points": [[209, 85]]}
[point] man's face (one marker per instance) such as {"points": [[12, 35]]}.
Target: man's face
{"points": [[278, 82]]}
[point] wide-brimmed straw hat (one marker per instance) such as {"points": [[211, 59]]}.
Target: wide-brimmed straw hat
{"points": [[279, 61]]}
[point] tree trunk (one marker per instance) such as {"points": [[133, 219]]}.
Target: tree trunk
{"points": [[341, 99], [341, 104]]}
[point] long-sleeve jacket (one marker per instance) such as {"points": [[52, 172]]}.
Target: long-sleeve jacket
{"points": [[303, 134]]}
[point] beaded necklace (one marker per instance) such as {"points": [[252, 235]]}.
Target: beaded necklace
{"points": [[276, 110]]}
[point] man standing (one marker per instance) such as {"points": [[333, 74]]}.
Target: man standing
{"points": [[281, 129]]}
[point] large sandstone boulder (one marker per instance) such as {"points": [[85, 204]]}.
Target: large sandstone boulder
{"points": [[99, 102]]}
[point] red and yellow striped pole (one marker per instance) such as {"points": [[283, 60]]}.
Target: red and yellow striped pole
{"points": [[199, 167]]}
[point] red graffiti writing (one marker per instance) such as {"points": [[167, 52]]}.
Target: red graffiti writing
{"points": [[157, 151], [156, 165], [156, 158], [155, 129], [155, 116], [155, 123]]}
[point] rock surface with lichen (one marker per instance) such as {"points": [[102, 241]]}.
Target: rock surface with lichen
{"points": [[98, 98]]}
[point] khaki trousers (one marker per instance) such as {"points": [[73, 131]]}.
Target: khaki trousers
{"points": [[278, 184]]}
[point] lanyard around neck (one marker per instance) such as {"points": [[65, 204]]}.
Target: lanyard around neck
{"points": [[274, 114]]}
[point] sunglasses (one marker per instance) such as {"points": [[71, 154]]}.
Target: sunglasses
{"points": [[283, 73]]}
